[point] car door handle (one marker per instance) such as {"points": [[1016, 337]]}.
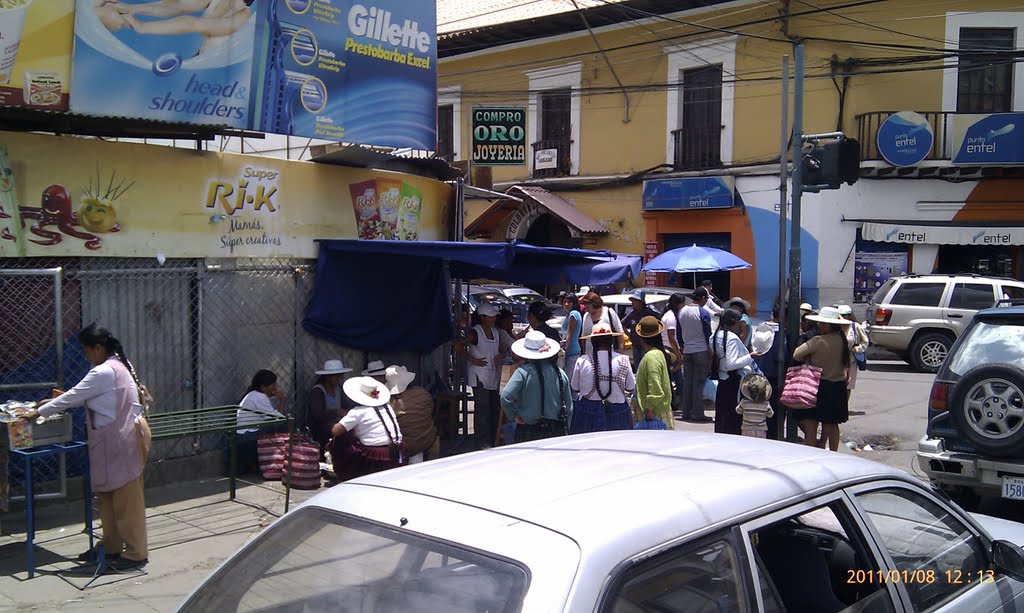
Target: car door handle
{"points": [[955, 316]]}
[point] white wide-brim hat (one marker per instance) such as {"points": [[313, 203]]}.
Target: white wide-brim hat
{"points": [[535, 346], [844, 309], [762, 338], [375, 368], [398, 378], [755, 387], [602, 329], [829, 315], [333, 367], [366, 391]]}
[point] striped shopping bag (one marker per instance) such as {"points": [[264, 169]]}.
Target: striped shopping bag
{"points": [[800, 391], [272, 450]]}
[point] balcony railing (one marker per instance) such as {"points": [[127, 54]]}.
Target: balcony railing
{"points": [[942, 130], [697, 148], [563, 160]]}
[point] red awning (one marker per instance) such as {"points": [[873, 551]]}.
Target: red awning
{"points": [[484, 225]]}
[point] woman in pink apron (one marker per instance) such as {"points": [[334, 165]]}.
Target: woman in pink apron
{"points": [[119, 441]]}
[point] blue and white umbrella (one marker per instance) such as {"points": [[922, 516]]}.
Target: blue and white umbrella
{"points": [[695, 259]]}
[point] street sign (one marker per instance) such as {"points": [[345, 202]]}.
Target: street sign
{"points": [[685, 194], [499, 136]]}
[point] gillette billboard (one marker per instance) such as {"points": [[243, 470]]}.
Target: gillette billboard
{"points": [[358, 71]]}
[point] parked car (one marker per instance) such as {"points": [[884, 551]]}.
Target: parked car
{"points": [[918, 317], [974, 445], [477, 294], [628, 521], [524, 297]]}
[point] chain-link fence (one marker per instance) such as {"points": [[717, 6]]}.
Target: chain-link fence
{"points": [[196, 331]]}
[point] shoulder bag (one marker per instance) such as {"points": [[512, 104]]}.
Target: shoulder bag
{"points": [[800, 391]]}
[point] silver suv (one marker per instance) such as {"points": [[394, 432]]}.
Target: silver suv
{"points": [[919, 316]]}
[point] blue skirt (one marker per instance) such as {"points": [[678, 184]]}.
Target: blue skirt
{"points": [[595, 416]]}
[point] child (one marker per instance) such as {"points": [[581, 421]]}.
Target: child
{"points": [[650, 422], [754, 406]]}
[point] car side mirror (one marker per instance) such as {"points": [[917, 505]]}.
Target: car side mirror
{"points": [[1009, 559]]}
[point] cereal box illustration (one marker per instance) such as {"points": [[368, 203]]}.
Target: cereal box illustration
{"points": [[364, 203], [388, 195], [410, 207], [19, 433]]}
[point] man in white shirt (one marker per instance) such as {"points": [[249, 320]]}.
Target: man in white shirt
{"points": [[695, 328], [712, 305], [670, 337]]}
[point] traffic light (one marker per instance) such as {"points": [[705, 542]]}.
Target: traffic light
{"points": [[830, 163]]}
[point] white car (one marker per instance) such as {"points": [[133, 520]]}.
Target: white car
{"points": [[623, 522]]}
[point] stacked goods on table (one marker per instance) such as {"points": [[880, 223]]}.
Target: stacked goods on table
{"points": [[22, 434]]}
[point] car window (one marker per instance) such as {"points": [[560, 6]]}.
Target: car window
{"points": [[932, 548], [819, 561], [316, 560], [883, 291], [988, 343], [975, 296], [695, 577], [919, 294], [1012, 292]]}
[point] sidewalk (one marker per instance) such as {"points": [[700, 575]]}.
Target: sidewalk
{"points": [[192, 527]]}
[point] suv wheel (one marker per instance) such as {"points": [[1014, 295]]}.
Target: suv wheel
{"points": [[988, 408], [929, 351]]}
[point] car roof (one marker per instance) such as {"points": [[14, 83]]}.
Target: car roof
{"points": [[617, 299], [664, 484], [1005, 312]]}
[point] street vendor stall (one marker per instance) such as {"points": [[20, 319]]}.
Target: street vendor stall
{"points": [[409, 286]]}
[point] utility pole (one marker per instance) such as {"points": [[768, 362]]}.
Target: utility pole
{"points": [[783, 205], [793, 312]]}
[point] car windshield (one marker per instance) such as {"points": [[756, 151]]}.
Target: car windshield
{"points": [[987, 343], [526, 297], [489, 297], [318, 560]]}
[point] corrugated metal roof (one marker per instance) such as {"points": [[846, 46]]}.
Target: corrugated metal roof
{"points": [[485, 224], [459, 15]]}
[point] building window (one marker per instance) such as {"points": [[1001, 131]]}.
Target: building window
{"points": [[698, 141], [974, 82], [445, 133], [554, 123], [700, 108], [985, 70], [449, 123], [555, 132]]}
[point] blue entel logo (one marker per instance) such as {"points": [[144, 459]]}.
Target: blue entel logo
{"points": [[975, 238], [892, 233]]}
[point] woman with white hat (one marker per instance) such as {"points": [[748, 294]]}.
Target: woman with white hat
{"points": [[604, 379], [830, 352], [484, 356], [537, 396], [414, 407], [368, 438], [857, 339], [326, 403]]}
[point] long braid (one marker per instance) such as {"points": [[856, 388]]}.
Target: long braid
{"points": [[597, 367], [846, 344], [538, 365]]}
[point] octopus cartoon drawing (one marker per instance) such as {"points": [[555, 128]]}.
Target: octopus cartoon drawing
{"points": [[96, 214]]}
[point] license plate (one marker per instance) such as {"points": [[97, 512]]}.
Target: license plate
{"points": [[1013, 488]]}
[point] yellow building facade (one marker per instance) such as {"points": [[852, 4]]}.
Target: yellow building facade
{"points": [[616, 112]]}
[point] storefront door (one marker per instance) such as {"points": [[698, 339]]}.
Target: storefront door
{"points": [[982, 260]]}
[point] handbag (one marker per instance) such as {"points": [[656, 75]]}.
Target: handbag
{"points": [[710, 391], [800, 391], [272, 452], [862, 361]]}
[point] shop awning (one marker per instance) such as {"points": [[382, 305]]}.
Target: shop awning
{"points": [[538, 199], [394, 295], [942, 234]]}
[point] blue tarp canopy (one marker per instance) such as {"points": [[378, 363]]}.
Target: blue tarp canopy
{"points": [[394, 295]]}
